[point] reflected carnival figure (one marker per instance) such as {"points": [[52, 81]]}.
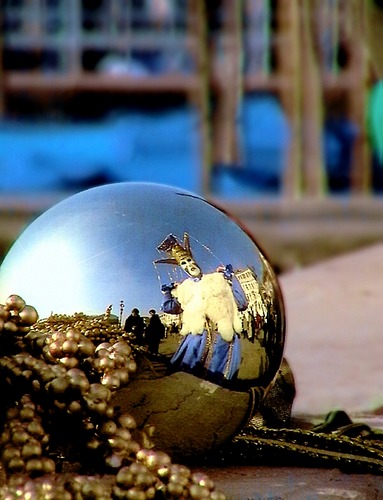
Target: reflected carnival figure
{"points": [[211, 322]]}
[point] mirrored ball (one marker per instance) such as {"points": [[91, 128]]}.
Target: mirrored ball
{"points": [[187, 283]]}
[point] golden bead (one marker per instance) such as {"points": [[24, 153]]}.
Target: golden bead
{"points": [[14, 303], [28, 315]]}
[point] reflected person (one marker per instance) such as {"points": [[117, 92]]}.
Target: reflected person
{"points": [[155, 332], [135, 325], [211, 322]]}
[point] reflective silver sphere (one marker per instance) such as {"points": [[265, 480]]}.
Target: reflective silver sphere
{"points": [[146, 246]]}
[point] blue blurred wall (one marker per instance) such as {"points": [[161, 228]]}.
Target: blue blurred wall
{"points": [[161, 146], [157, 147]]}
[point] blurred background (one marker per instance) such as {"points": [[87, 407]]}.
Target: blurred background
{"points": [[272, 109]]}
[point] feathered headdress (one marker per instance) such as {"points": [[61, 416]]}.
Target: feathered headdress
{"points": [[176, 251]]}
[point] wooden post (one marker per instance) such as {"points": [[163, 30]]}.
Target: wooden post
{"points": [[357, 74], [373, 36], [198, 31], [229, 70], [361, 171], [312, 104], [2, 72], [289, 85]]}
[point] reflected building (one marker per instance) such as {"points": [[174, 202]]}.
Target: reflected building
{"points": [[249, 283], [168, 319], [256, 313]]}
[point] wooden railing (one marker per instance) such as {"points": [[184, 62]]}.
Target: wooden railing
{"points": [[294, 68], [307, 84]]}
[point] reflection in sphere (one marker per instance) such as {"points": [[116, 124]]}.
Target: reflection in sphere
{"points": [[145, 246]]}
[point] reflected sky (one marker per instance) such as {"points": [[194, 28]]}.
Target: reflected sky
{"points": [[98, 247]]}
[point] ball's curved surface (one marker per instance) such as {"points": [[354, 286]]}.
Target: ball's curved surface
{"points": [[151, 246]]}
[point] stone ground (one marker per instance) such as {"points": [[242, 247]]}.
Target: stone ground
{"points": [[334, 341], [334, 344], [289, 483]]}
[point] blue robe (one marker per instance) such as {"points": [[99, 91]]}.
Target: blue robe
{"points": [[207, 355]]}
